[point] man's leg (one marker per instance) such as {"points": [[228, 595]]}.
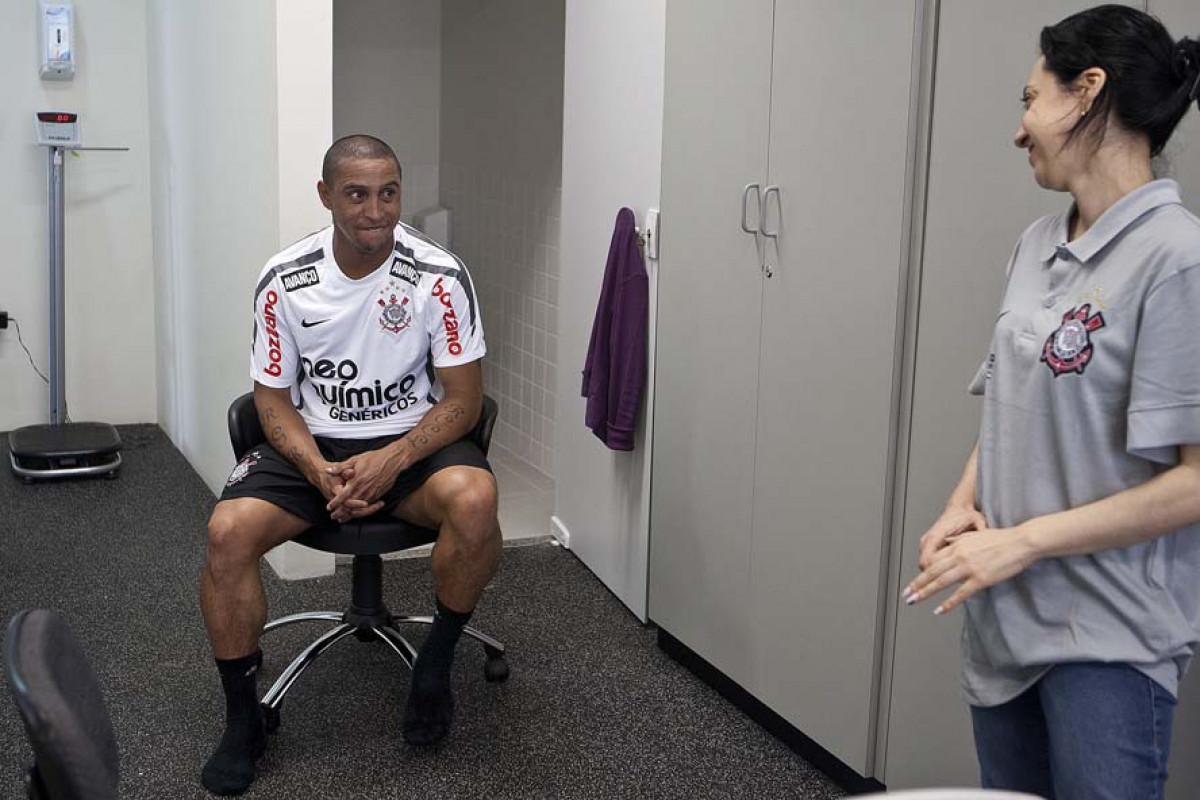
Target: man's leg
{"points": [[460, 502], [240, 532]]}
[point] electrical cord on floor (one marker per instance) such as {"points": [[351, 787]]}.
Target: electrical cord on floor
{"points": [[17, 325]]}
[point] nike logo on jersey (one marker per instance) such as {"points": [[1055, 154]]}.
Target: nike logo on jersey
{"points": [[306, 324]]}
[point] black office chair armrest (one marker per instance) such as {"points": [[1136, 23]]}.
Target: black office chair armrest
{"points": [[246, 432]]}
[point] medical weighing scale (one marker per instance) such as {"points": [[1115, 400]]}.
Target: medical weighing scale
{"points": [[61, 449]]}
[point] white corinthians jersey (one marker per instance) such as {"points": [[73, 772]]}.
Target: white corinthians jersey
{"points": [[359, 355]]}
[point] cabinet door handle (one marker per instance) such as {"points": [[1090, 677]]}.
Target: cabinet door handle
{"points": [[762, 211], [746, 196]]}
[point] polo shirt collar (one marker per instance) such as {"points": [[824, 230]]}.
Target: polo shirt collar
{"points": [[1112, 222]]}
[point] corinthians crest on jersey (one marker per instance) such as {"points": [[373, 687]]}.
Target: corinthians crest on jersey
{"points": [[1070, 348], [396, 316]]}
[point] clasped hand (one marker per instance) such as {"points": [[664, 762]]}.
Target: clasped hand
{"points": [[961, 550], [354, 486]]}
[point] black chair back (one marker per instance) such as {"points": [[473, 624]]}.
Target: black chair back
{"points": [[246, 432], [59, 700], [489, 412]]}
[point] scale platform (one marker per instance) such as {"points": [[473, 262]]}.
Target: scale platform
{"points": [[67, 450]]}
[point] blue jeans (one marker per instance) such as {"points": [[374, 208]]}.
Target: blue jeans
{"points": [[1083, 732]]}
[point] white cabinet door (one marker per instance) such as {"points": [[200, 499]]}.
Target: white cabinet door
{"points": [[981, 196], [840, 112], [716, 112]]}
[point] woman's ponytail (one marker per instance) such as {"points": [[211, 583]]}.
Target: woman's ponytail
{"points": [[1187, 66]]}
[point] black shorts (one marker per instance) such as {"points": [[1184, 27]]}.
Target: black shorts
{"points": [[265, 474]]}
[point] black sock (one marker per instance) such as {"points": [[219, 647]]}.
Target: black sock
{"points": [[430, 708], [230, 769]]}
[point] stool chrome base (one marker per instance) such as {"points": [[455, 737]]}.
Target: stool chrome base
{"points": [[367, 619]]}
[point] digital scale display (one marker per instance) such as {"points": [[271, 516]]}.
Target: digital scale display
{"points": [[58, 128]]}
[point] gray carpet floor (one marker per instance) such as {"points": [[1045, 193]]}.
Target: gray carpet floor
{"points": [[593, 708]]}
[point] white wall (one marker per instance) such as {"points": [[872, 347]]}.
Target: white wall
{"points": [[109, 275], [304, 111], [216, 208], [501, 145], [612, 157], [239, 126], [1182, 162], [387, 79], [1182, 18]]}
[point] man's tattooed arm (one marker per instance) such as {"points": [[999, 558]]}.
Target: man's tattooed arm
{"points": [[445, 423], [286, 431], [448, 421]]}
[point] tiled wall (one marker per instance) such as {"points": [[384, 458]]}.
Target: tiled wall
{"points": [[506, 229], [373, 42]]}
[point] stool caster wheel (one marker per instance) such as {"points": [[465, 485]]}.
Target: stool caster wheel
{"points": [[496, 669], [112, 476], [271, 715]]}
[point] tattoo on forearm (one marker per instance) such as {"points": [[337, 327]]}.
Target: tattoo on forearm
{"points": [[279, 439], [445, 416]]}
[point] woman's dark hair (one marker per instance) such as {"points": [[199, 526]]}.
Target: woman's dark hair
{"points": [[1152, 79]]}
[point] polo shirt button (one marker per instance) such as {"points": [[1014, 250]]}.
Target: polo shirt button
{"points": [[1049, 301]]}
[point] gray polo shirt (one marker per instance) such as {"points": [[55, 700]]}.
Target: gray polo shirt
{"points": [[1091, 383]]}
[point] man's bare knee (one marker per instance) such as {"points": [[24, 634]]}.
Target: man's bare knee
{"points": [[234, 541], [470, 502]]}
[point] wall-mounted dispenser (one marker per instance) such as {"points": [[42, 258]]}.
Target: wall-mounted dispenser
{"points": [[57, 53]]}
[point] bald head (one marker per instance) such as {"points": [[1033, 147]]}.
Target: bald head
{"points": [[353, 148]]}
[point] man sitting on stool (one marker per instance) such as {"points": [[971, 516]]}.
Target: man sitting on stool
{"points": [[365, 360]]}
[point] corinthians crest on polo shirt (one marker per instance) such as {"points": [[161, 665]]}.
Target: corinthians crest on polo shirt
{"points": [[395, 315], [1070, 349]]}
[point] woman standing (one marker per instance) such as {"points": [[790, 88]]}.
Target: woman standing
{"points": [[1073, 537]]}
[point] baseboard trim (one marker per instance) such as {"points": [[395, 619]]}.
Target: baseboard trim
{"points": [[560, 533], [774, 724]]}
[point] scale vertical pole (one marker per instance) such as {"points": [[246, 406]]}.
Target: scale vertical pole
{"points": [[58, 389]]}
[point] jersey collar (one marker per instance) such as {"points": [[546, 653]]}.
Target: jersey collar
{"points": [[1112, 222]]}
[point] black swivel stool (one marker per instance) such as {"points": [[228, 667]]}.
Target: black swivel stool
{"points": [[58, 698], [367, 618]]}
